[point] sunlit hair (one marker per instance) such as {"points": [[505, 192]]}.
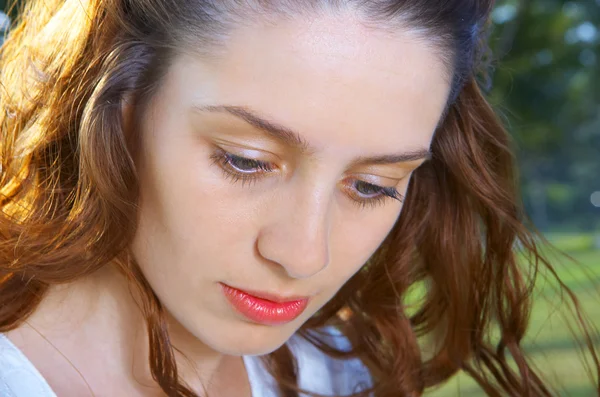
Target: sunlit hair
{"points": [[68, 190]]}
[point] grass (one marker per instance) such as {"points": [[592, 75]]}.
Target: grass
{"points": [[550, 343]]}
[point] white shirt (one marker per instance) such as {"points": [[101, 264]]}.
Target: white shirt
{"points": [[317, 372]]}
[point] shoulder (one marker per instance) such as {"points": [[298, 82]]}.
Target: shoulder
{"points": [[317, 372], [320, 373], [18, 377]]}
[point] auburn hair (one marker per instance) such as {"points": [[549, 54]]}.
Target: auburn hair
{"points": [[68, 192]]}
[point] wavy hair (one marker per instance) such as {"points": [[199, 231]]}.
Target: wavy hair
{"points": [[68, 191]]}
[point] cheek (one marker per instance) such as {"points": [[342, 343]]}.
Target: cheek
{"points": [[184, 197], [188, 212], [355, 240], [193, 205], [359, 232]]}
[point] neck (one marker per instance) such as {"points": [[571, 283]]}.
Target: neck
{"points": [[101, 314]]}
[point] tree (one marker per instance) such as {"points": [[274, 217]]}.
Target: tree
{"points": [[547, 85]]}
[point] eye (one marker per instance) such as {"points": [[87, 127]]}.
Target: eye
{"points": [[367, 189], [240, 168], [244, 169], [369, 194], [242, 164]]}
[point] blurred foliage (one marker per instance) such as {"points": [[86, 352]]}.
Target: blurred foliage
{"points": [[546, 84]]}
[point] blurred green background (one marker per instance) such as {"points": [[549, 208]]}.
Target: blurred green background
{"points": [[546, 86]]}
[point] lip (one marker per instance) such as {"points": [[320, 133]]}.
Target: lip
{"points": [[265, 308]]}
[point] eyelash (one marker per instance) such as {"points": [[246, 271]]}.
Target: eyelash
{"points": [[384, 194], [226, 161]]}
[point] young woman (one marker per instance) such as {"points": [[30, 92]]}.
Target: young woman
{"points": [[232, 198]]}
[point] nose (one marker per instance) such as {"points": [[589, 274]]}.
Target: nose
{"points": [[296, 235]]}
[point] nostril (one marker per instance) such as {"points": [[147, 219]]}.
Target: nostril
{"points": [[296, 236], [308, 263], [300, 257]]}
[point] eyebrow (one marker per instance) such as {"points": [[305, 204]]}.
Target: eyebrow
{"points": [[291, 138]]}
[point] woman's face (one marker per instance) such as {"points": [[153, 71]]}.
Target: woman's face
{"points": [[278, 169]]}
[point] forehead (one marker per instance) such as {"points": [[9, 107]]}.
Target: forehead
{"points": [[334, 81]]}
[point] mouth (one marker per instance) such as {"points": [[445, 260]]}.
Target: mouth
{"points": [[265, 308]]}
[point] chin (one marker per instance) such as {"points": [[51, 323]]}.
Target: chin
{"points": [[230, 335], [247, 339]]}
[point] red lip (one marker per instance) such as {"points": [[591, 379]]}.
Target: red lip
{"points": [[264, 308]]}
